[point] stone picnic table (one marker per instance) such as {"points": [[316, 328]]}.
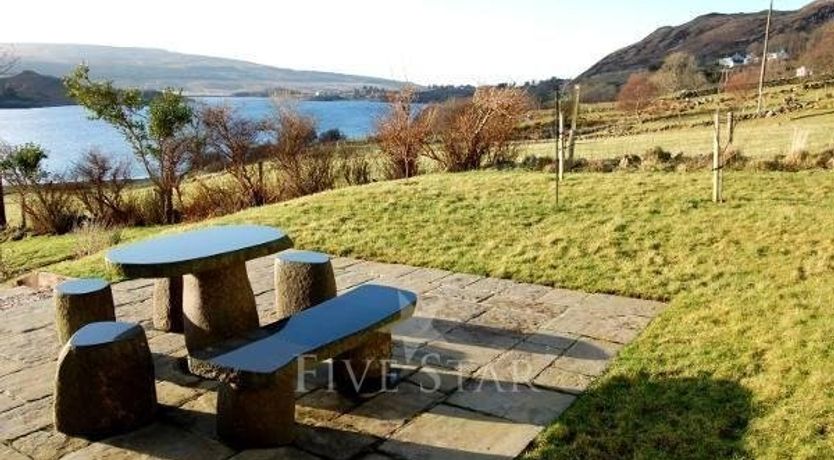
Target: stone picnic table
{"points": [[217, 299]]}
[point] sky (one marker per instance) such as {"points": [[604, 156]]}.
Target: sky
{"points": [[423, 41]]}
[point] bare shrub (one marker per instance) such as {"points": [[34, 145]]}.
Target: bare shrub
{"points": [[304, 167], [657, 159], [603, 165], [799, 142], [100, 187], [355, 166], [824, 159], [767, 164], [52, 211], [536, 163], [92, 237], [734, 159], [232, 139], [45, 204], [637, 94], [478, 132], [741, 85], [143, 207], [212, 200], [317, 172], [403, 135]]}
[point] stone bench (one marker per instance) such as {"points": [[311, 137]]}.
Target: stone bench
{"points": [[256, 404]]}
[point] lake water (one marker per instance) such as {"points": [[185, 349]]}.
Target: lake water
{"points": [[66, 132]]}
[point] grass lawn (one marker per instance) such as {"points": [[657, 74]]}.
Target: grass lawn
{"points": [[756, 138], [740, 365]]}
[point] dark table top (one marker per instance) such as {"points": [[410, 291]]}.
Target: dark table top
{"points": [[196, 251]]}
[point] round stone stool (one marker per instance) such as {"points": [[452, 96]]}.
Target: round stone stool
{"points": [[80, 302], [105, 381], [302, 279]]}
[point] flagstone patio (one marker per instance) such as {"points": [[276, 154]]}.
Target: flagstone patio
{"points": [[485, 363]]}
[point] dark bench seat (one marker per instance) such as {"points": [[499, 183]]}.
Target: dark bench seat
{"points": [[256, 406]]}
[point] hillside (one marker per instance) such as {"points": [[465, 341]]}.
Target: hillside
{"points": [[201, 75], [711, 37], [29, 89]]}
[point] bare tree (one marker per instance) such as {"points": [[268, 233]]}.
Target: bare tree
{"points": [[304, 168], [820, 53], [478, 131], [403, 134], [638, 94], [679, 72], [234, 139], [741, 84]]}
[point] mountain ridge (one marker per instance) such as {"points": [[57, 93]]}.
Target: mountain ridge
{"points": [[709, 37], [30, 89], [155, 68]]}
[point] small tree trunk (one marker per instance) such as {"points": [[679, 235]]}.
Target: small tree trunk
{"points": [[22, 209], [168, 205], [3, 222], [261, 194]]}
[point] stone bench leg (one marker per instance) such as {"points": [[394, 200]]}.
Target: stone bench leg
{"points": [[104, 384], [167, 304], [365, 369], [252, 416], [81, 302]]}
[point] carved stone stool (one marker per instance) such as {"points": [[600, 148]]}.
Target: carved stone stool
{"points": [[105, 381], [80, 302], [302, 279]]}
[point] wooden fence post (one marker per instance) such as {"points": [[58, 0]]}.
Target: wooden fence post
{"points": [[560, 141], [574, 120], [716, 160]]}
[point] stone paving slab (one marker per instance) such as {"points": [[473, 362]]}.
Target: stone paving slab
{"points": [[485, 364]]}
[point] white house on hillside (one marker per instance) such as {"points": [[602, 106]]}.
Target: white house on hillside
{"points": [[804, 72], [780, 55], [736, 60]]}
